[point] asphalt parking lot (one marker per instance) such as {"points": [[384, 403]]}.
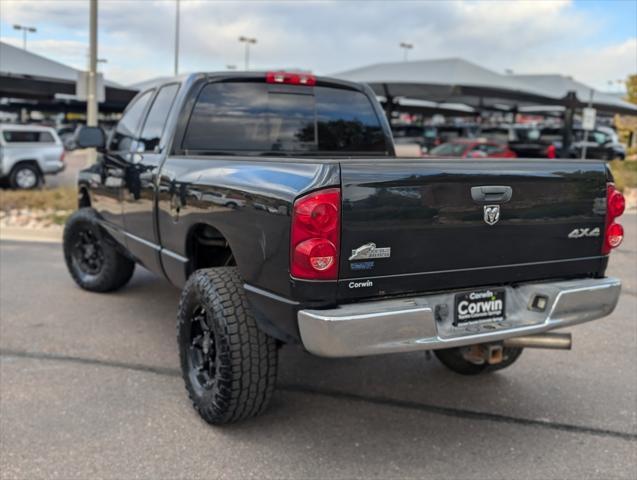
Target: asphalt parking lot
{"points": [[89, 388]]}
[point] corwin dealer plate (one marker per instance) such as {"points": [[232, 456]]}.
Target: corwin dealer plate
{"points": [[479, 306]]}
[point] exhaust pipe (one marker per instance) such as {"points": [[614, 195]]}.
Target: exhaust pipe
{"points": [[556, 341]]}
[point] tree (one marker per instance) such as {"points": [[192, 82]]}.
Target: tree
{"points": [[631, 89]]}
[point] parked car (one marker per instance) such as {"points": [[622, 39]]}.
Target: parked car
{"points": [[429, 136], [600, 143], [618, 148], [472, 148], [335, 243], [67, 135], [28, 153]]}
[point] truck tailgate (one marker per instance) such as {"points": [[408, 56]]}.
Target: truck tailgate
{"points": [[430, 233]]}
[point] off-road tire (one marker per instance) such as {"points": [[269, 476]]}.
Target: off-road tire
{"points": [[115, 270], [242, 373], [452, 359], [14, 181]]}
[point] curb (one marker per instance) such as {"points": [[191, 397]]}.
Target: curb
{"points": [[30, 235]]}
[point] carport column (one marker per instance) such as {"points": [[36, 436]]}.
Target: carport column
{"points": [[569, 113], [91, 100], [389, 103]]}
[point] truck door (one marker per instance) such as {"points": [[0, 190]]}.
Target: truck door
{"points": [[106, 195], [141, 173]]}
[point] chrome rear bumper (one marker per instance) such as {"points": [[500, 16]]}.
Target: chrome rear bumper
{"points": [[408, 324]]}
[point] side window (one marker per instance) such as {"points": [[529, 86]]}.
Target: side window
{"points": [[157, 116], [490, 149], [20, 136], [487, 148], [127, 126], [599, 137], [46, 137]]}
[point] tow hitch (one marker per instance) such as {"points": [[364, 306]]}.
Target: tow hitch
{"points": [[493, 353]]}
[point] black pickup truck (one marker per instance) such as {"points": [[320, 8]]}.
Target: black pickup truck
{"points": [[276, 202]]}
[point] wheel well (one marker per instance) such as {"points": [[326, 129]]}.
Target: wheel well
{"points": [[28, 162], [83, 198], [207, 247]]}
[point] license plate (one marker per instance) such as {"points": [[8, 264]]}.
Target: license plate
{"points": [[479, 306]]}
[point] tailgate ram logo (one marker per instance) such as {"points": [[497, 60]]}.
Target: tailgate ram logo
{"points": [[491, 214]]}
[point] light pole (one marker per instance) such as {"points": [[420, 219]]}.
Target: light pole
{"points": [[25, 29], [91, 101], [406, 47], [248, 41], [176, 37]]}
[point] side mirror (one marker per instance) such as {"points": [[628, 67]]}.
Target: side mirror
{"points": [[90, 137]]}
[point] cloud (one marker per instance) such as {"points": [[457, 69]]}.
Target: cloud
{"points": [[593, 66], [328, 36]]}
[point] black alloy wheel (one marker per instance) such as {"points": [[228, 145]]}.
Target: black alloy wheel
{"points": [[92, 257], [202, 357], [87, 252]]}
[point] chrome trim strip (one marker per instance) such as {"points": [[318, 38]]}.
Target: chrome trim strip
{"points": [[145, 242], [409, 324], [173, 255], [490, 267]]}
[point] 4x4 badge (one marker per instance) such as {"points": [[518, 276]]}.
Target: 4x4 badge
{"points": [[491, 214]]}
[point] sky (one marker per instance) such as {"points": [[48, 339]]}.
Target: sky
{"points": [[594, 41]]}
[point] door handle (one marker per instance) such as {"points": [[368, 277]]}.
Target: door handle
{"points": [[491, 194]]}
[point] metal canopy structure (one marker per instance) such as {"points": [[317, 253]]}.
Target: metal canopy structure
{"points": [[560, 86], [451, 80], [426, 107], [30, 79], [454, 80]]}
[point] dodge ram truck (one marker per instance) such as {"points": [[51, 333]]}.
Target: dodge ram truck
{"points": [[276, 203]]}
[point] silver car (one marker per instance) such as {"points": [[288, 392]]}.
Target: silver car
{"points": [[27, 153]]}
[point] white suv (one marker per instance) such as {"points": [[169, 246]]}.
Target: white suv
{"points": [[27, 153]]}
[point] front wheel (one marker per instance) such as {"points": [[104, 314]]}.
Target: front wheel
{"points": [[455, 359], [91, 258], [228, 364]]}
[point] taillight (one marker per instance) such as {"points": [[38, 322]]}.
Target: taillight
{"points": [[62, 157], [616, 202], [614, 232], [315, 235], [290, 78], [551, 152]]}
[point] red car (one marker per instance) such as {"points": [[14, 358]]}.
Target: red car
{"points": [[472, 148]]}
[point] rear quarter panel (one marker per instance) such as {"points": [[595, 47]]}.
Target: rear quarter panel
{"points": [[249, 200]]}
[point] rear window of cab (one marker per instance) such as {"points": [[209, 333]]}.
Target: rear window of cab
{"points": [[269, 119]]}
